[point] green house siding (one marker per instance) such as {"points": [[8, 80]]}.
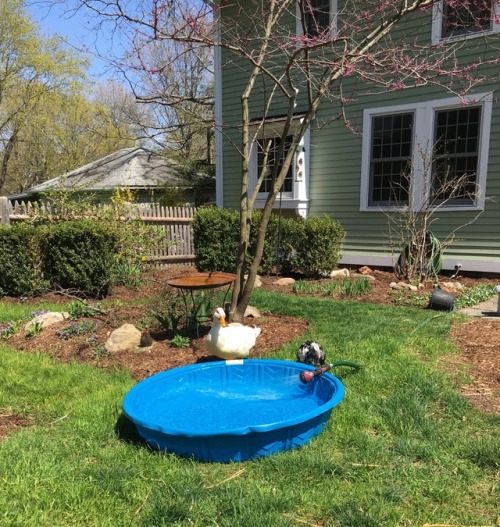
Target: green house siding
{"points": [[335, 179], [335, 175]]}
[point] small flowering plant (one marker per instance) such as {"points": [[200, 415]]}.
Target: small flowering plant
{"points": [[35, 314], [75, 329], [98, 349], [8, 330]]}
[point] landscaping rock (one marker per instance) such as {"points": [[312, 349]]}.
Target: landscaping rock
{"points": [[452, 287], [340, 273], [400, 286], [410, 287], [284, 281], [365, 270], [252, 312], [123, 338], [360, 275], [46, 319], [258, 281]]}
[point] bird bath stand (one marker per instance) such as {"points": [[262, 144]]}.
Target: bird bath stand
{"points": [[187, 285]]}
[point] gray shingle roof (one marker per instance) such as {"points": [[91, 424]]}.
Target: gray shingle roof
{"points": [[129, 167]]}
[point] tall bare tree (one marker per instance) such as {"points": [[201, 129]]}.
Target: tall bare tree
{"points": [[175, 81], [171, 78]]}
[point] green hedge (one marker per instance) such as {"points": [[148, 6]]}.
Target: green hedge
{"points": [[320, 239], [20, 264], [310, 246], [79, 255], [215, 233], [216, 240]]}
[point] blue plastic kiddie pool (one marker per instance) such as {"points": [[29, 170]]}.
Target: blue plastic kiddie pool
{"points": [[232, 410]]}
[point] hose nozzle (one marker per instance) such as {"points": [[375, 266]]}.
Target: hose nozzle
{"points": [[308, 376]]}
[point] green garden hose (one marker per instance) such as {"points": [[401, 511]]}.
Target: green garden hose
{"points": [[433, 258]]}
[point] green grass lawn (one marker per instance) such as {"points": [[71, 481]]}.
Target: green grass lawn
{"points": [[402, 449]]}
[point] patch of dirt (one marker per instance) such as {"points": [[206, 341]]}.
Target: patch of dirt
{"points": [[10, 422], [477, 339]]}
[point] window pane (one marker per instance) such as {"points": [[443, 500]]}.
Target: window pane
{"points": [[456, 155], [466, 16], [273, 158], [392, 139], [317, 17]]}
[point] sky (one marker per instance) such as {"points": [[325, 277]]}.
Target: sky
{"points": [[77, 30]]}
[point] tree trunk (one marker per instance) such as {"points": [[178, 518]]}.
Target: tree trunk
{"points": [[9, 148], [245, 293]]}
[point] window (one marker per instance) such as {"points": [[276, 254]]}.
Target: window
{"points": [[464, 18], [426, 154], [319, 15], [267, 139], [390, 158], [456, 155], [271, 148], [460, 18]]}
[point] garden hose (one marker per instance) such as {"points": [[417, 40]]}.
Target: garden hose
{"points": [[308, 376], [417, 328], [433, 255]]}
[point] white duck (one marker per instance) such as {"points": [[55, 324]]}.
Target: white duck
{"points": [[233, 341]]}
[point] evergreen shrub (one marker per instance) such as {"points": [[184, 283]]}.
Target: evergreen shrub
{"points": [[215, 233], [311, 246], [80, 255], [216, 240], [318, 250], [269, 256], [20, 264]]}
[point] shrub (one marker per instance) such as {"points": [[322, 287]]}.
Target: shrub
{"points": [[274, 231], [319, 248], [215, 234], [20, 269], [135, 239], [311, 246], [289, 244], [79, 255], [216, 239]]}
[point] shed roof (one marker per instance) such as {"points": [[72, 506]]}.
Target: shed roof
{"points": [[130, 167]]}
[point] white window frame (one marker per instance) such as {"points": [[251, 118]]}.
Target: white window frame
{"points": [[437, 19], [298, 199], [423, 139], [333, 18]]}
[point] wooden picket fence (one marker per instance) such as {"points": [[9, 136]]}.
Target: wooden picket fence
{"points": [[177, 246]]}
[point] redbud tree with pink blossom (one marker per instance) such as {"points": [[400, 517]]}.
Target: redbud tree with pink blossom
{"points": [[293, 55]]}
